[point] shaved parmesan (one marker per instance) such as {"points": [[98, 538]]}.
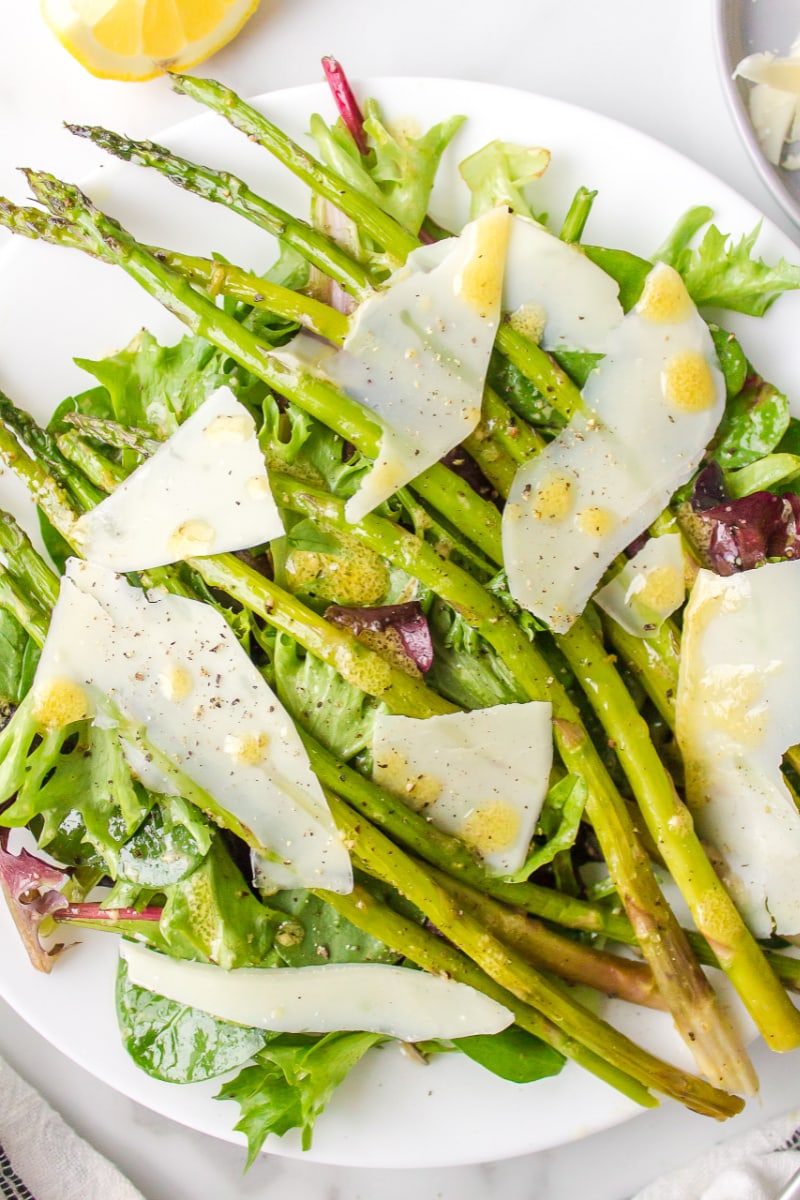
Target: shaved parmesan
{"points": [[774, 101], [371, 997], [417, 353], [737, 714], [480, 775], [649, 588], [578, 301], [652, 405], [174, 666], [204, 491]]}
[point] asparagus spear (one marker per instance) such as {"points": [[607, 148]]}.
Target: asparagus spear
{"points": [[686, 990], [667, 818], [554, 384], [99, 235], [48, 192], [572, 1020], [224, 188], [382, 859]]}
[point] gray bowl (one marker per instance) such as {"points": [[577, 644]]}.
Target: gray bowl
{"points": [[743, 27]]}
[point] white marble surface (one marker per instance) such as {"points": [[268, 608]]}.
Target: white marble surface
{"points": [[648, 64]]}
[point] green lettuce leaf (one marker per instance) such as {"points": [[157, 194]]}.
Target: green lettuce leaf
{"points": [[211, 915], [73, 784], [291, 1082], [465, 667], [336, 713], [399, 172], [558, 825], [176, 1043], [157, 387], [497, 174], [721, 273]]}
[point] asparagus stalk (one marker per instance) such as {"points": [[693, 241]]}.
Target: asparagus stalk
{"points": [[385, 861], [355, 661], [500, 442], [48, 191], [222, 187], [688, 992], [554, 384], [22, 607], [105, 238], [430, 952], [571, 961], [717, 1051]]}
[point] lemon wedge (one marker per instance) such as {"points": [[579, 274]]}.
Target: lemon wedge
{"points": [[139, 39]]}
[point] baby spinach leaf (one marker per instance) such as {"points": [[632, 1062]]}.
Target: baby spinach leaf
{"points": [[753, 424], [316, 933], [18, 658], [177, 1043], [513, 1054]]}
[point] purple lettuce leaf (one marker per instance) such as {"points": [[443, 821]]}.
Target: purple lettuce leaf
{"points": [[738, 535], [408, 620], [32, 889]]}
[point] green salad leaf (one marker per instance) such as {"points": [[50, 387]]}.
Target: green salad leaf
{"points": [[753, 424], [18, 658], [720, 273], [498, 173], [513, 1054], [177, 1043], [290, 1083], [398, 172]]}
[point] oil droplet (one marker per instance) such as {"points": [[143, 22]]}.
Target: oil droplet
{"points": [[190, 538], [554, 498], [664, 298], [229, 428], [688, 383], [176, 684], [493, 827], [595, 522], [59, 703]]}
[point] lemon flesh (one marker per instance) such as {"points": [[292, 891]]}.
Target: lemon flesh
{"points": [[139, 39]]}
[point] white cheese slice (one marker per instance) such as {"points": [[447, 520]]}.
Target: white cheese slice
{"points": [[480, 775], [417, 353], [372, 997], [577, 300], [774, 99], [204, 491], [737, 714], [649, 588], [653, 403], [175, 667]]}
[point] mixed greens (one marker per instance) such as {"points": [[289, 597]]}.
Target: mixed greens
{"points": [[408, 612]]}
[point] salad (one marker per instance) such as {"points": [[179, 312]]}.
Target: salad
{"points": [[367, 619]]}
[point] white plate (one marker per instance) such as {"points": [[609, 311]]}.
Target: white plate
{"points": [[55, 304]]}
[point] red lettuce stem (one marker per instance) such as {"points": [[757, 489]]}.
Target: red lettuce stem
{"points": [[346, 103]]}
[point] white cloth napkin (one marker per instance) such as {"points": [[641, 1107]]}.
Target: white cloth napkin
{"points": [[754, 1166], [50, 1160]]}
